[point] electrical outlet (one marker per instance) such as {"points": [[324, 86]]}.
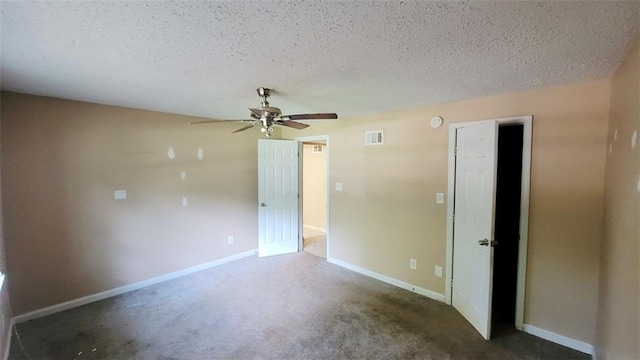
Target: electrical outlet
{"points": [[438, 271], [413, 264], [230, 239]]}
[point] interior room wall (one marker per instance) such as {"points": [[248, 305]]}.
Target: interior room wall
{"points": [[619, 310], [5, 309], [314, 202], [66, 236], [387, 211]]}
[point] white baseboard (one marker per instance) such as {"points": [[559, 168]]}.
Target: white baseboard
{"points": [[389, 280], [559, 339], [123, 289], [316, 228]]}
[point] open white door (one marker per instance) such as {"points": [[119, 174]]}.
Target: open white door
{"points": [[474, 222], [277, 197]]}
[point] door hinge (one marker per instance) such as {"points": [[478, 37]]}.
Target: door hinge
{"points": [[451, 283], [455, 151], [453, 218]]}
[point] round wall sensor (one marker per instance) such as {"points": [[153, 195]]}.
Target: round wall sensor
{"points": [[436, 122]]}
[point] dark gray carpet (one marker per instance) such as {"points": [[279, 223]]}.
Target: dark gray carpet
{"points": [[285, 307]]}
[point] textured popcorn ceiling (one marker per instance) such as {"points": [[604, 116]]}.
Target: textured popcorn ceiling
{"points": [[356, 57]]}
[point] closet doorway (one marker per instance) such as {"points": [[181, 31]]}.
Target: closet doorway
{"points": [[314, 156]]}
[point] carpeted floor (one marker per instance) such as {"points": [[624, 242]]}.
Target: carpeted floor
{"points": [[284, 307], [315, 242]]}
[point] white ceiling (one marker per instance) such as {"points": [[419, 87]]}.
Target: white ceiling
{"points": [[206, 58]]}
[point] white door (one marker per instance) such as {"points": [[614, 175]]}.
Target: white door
{"points": [[473, 223], [277, 197]]}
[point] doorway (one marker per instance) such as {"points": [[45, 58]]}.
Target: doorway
{"points": [[505, 249], [314, 190], [507, 227]]}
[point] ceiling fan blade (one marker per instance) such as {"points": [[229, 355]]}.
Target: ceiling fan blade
{"points": [[256, 113], [293, 124], [218, 121], [243, 128], [207, 122], [324, 116]]}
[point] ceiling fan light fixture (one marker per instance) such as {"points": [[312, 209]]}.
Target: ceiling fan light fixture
{"points": [[268, 116]]}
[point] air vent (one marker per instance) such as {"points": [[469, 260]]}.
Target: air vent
{"points": [[318, 149], [373, 137]]}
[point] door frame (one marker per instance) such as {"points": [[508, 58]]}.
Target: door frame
{"points": [[301, 140], [527, 122]]}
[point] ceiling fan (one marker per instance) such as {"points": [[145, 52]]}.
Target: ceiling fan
{"points": [[268, 116]]}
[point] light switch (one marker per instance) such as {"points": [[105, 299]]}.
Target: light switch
{"points": [[338, 186], [120, 194], [439, 198]]}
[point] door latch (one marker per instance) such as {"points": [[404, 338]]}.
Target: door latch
{"points": [[486, 242]]}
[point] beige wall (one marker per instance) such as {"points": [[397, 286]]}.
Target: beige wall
{"points": [[618, 315], [5, 309], [314, 188], [386, 213], [66, 236]]}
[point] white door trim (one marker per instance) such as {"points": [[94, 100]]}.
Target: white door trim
{"points": [[301, 140], [527, 122]]}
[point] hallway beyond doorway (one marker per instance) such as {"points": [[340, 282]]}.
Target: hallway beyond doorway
{"points": [[315, 242]]}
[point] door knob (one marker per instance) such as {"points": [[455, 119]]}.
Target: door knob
{"points": [[486, 242], [263, 205]]}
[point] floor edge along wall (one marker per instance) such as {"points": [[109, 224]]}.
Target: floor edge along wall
{"points": [[123, 289], [541, 333]]}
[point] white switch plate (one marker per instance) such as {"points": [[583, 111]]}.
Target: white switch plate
{"points": [[413, 264], [230, 239], [120, 194], [338, 186], [438, 271], [439, 198]]}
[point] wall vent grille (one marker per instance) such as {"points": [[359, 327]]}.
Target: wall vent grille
{"points": [[374, 137]]}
